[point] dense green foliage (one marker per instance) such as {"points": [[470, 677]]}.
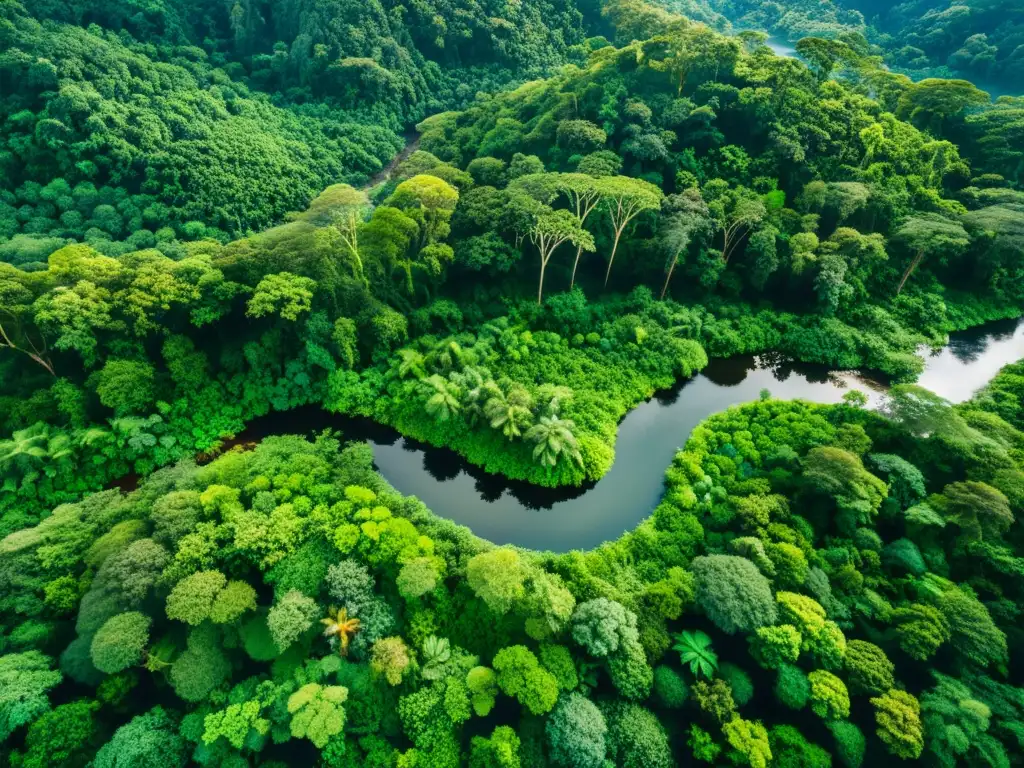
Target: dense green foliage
{"points": [[178, 121], [161, 588], [1004, 395], [107, 145], [780, 207], [193, 233], [976, 39]]}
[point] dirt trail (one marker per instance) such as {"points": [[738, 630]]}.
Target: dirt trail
{"points": [[412, 143]]}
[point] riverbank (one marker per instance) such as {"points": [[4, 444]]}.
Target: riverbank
{"points": [[562, 519], [513, 473], [612, 367]]}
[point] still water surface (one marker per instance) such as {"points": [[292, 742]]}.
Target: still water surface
{"points": [[508, 512]]}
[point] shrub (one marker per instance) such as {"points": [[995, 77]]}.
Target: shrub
{"points": [[829, 697], [734, 594], [576, 732], [521, 676], [669, 687], [792, 687], [120, 642], [850, 743], [739, 682], [898, 715], [868, 668], [775, 646]]}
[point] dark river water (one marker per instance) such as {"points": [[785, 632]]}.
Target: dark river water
{"points": [[560, 520]]}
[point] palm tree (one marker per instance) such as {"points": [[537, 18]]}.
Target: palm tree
{"points": [[339, 625], [443, 397], [555, 395], [553, 438], [60, 450], [509, 411], [478, 387], [409, 363], [26, 449], [436, 653], [695, 649], [92, 435], [451, 355]]}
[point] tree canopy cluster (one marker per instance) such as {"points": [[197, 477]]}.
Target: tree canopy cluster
{"points": [[976, 39], [769, 205], [852, 571], [132, 126], [196, 229]]}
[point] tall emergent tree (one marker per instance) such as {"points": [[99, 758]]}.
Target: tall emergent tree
{"points": [[625, 198], [685, 216], [929, 234], [550, 230], [344, 208], [742, 210], [584, 195]]}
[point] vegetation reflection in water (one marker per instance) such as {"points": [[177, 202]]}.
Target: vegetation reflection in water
{"points": [[563, 519]]}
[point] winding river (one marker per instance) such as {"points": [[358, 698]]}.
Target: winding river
{"points": [[560, 520]]}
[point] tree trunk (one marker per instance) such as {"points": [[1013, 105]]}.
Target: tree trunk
{"points": [[615, 247], [726, 250], [725, 245], [43, 362], [731, 241], [910, 270], [540, 288], [579, 252], [668, 277], [354, 250]]}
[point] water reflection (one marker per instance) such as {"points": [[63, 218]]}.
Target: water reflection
{"points": [[440, 463], [972, 358], [561, 519], [731, 371], [970, 349], [490, 487]]}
